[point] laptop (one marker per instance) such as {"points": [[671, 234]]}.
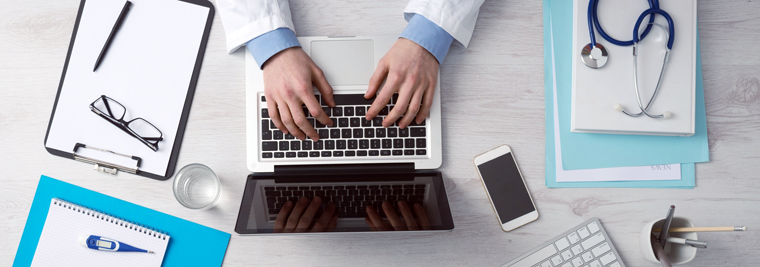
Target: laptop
{"points": [[356, 163]]}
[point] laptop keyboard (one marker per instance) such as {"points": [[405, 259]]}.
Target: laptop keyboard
{"points": [[350, 201], [350, 136]]}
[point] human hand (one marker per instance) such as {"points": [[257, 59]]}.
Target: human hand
{"points": [[288, 79], [410, 70], [409, 223], [299, 218]]}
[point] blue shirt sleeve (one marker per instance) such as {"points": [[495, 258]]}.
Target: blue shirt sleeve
{"points": [[267, 45], [428, 35]]}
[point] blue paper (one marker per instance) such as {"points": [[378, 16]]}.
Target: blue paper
{"points": [[687, 169], [592, 151], [191, 244]]}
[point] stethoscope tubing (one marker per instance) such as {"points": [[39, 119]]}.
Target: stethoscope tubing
{"points": [[593, 23]]}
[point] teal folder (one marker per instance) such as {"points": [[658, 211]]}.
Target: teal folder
{"points": [[687, 169], [191, 244], [591, 151]]}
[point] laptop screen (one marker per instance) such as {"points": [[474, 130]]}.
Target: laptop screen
{"points": [[414, 201]]}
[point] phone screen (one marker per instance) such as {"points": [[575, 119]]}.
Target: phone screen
{"points": [[505, 185]]}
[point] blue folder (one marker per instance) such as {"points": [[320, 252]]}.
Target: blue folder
{"points": [[191, 244], [591, 151], [687, 169]]}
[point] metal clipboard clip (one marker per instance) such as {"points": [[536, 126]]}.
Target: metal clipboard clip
{"points": [[103, 166]]}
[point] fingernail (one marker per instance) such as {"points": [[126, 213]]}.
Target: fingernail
{"points": [[317, 200], [303, 200], [289, 203]]}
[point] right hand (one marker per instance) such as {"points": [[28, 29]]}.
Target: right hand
{"points": [[376, 223], [288, 79]]}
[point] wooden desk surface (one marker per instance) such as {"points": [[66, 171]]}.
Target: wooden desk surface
{"points": [[494, 89]]}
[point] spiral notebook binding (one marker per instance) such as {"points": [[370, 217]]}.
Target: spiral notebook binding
{"points": [[111, 218]]}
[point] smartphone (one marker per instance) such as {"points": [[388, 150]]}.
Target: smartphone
{"points": [[506, 188]]}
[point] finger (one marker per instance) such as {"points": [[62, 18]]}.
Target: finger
{"points": [[422, 216], [324, 220], [333, 223], [317, 112], [299, 119], [292, 119], [285, 118], [319, 80], [296, 214], [274, 113], [305, 220], [411, 111], [380, 225], [381, 72], [279, 223], [400, 106], [369, 222], [391, 86], [407, 214], [427, 103], [396, 222]]}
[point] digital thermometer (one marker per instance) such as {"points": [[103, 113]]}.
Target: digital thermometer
{"points": [[105, 244]]}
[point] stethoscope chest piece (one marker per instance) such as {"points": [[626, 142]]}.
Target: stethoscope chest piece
{"points": [[594, 57]]}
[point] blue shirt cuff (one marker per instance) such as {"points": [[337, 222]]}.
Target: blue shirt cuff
{"points": [[267, 45], [428, 35]]}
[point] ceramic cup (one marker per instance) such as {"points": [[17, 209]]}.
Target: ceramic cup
{"points": [[677, 253]]}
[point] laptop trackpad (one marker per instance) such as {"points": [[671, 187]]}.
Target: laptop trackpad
{"points": [[344, 62]]}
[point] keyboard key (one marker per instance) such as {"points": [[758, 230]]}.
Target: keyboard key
{"points": [[272, 193], [593, 227], [330, 144], [334, 133], [377, 122], [601, 249], [295, 145], [269, 146], [263, 99], [364, 144], [350, 153], [311, 121], [409, 152], [319, 145], [595, 263], [337, 111], [556, 260], [573, 237], [290, 154], [366, 123], [414, 123], [277, 135], [289, 136], [343, 122], [358, 133], [338, 153], [566, 255], [374, 153], [264, 113], [387, 143], [398, 143], [345, 133], [334, 123], [279, 154], [546, 264], [360, 111], [324, 133], [395, 98], [328, 111], [369, 133], [587, 256], [567, 264], [606, 259], [340, 144], [392, 132], [306, 144], [326, 154], [583, 232], [562, 244], [284, 145], [314, 154], [352, 99], [403, 132], [409, 143], [348, 111], [266, 155], [398, 152], [577, 262], [576, 249], [355, 122], [592, 241], [353, 144], [266, 135], [417, 132], [264, 125], [385, 152], [361, 153], [421, 152], [375, 143], [380, 132], [384, 111], [303, 154], [616, 264], [319, 125]]}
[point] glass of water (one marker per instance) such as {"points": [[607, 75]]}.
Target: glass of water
{"points": [[197, 187]]}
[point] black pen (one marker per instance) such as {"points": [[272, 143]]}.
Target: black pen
{"points": [[115, 29]]}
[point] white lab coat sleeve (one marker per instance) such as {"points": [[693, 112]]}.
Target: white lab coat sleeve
{"points": [[457, 17], [244, 20]]}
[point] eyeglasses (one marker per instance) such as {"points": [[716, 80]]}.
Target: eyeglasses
{"points": [[139, 128]]}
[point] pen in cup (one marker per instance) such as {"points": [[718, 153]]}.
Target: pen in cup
{"points": [[693, 243], [704, 229]]}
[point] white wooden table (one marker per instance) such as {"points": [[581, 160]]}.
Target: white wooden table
{"points": [[493, 90]]}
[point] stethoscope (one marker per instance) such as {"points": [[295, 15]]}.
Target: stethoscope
{"points": [[595, 56]]}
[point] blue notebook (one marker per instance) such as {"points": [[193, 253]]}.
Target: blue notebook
{"points": [[687, 169], [191, 244]]}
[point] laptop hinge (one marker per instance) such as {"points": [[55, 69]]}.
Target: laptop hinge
{"points": [[345, 168]]}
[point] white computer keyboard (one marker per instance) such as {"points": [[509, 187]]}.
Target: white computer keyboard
{"points": [[586, 245]]}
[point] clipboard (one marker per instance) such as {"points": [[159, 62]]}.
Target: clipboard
{"points": [[151, 68]]}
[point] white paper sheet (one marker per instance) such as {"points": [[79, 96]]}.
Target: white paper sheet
{"points": [[147, 69], [640, 173]]}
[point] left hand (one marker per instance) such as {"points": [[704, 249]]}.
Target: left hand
{"points": [[410, 70], [301, 217]]}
